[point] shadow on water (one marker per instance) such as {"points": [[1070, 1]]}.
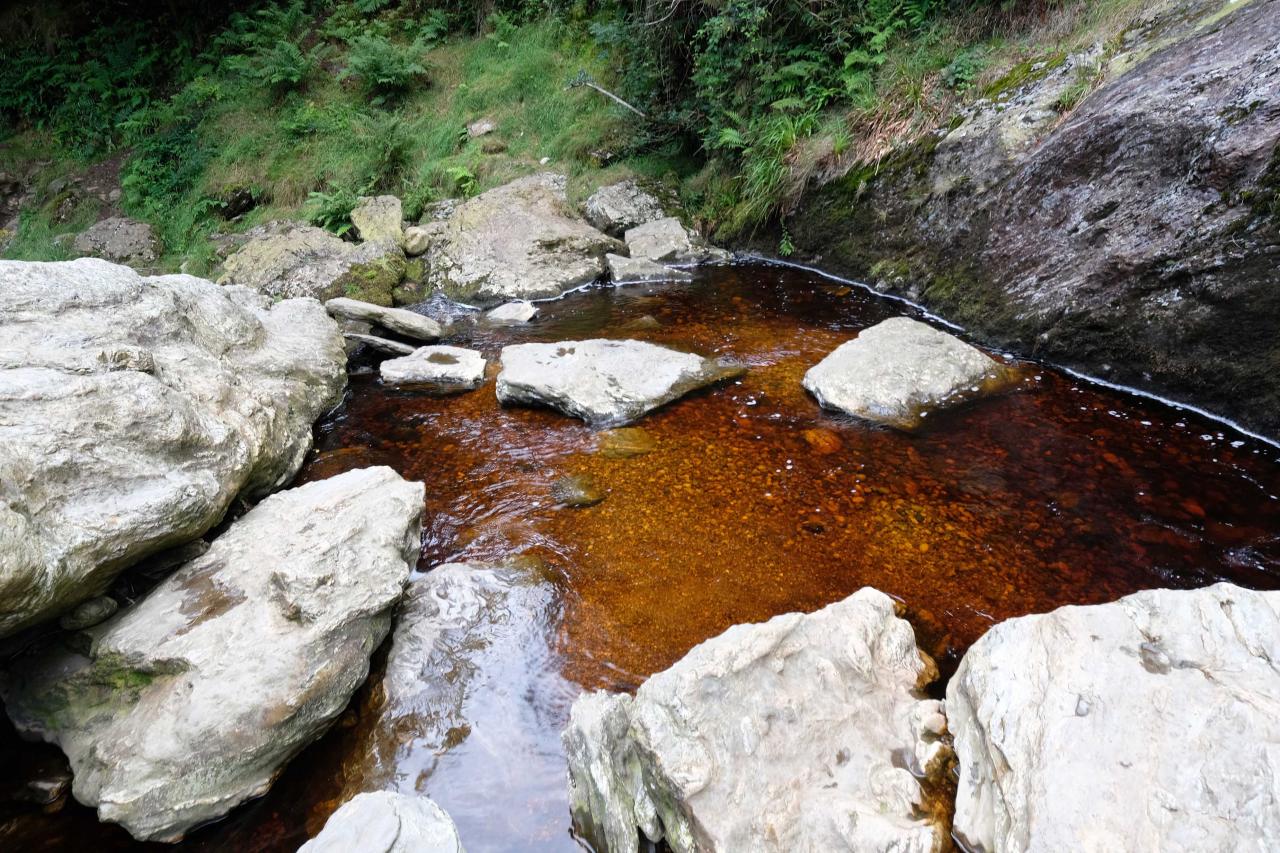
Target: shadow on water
{"points": [[733, 505]]}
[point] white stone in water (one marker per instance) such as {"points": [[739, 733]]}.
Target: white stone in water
{"points": [[436, 364], [1150, 723], [191, 701], [899, 370], [398, 320], [387, 822], [803, 733], [604, 382], [631, 270], [519, 311], [133, 411]]}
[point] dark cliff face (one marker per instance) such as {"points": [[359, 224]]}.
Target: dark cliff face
{"points": [[1137, 238]]}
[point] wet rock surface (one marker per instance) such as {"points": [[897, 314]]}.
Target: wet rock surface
{"points": [[786, 735], [519, 311], [628, 270], [1142, 724], [520, 240], [288, 259], [387, 822], [443, 365], [1132, 235], [191, 701], [900, 370], [577, 491], [133, 411], [606, 383]]}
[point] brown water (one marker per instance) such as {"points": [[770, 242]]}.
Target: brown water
{"points": [[749, 502]]}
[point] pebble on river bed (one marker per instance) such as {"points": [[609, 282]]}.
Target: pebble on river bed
{"points": [[577, 491]]}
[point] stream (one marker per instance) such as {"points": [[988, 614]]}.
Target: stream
{"points": [[731, 505]]}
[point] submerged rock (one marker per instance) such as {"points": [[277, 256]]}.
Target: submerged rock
{"points": [[1144, 724], [519, 240], [379, 219], [519, 311], [398, 320], [291, 259], [439, 364], [191, 701], [627, 270], [606, 383], [387, 822], [898, 371], [801, 733], [119, 240], [615, 208], [133, 411], [626, 442], [577, 491], [469, 703]]}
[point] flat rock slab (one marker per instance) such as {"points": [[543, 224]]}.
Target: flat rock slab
{"points": [[191, 701], [387, 822], [800, 733], [398, 320], [520, 240], [632, 270], [442, 365], [1146, 724], [604, 382], [382, 345], [898, 371], [133, 411]]}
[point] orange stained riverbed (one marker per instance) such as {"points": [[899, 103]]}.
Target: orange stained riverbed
{"points": [[733, 505]]}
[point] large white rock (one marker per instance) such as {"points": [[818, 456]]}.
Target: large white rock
{"points": [[798, 734], [512, 313], [631, 270], [1151, 723], [444, 365], [899, 370], [133, 411], [387, 822], [399, 320], [616, 207], [192, 701], [521, 240], [604, 382], [663, 239]]}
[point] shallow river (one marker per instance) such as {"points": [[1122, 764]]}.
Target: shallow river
{"points": [[734, 504]]}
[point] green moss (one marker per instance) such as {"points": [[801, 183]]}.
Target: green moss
{"points": [[373, 281], [1024, 72]]}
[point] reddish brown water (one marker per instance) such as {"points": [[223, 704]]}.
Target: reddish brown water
{"points": [[751, 502]]}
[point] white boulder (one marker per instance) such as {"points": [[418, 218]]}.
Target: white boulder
{"points": [[1151, 723], [133, 411], [513, 313], [803, 733], [398, 320], [604, 382], [899, 370], [443, 365], [191, 701], [387, 822], [615, 208]]}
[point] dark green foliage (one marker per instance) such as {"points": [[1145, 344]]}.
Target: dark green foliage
{"points": [[384, 68]]}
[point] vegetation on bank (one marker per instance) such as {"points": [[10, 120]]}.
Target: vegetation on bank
{"points": [[224, 119]]}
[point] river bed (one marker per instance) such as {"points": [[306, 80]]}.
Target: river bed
{"points": [[731, 505]]}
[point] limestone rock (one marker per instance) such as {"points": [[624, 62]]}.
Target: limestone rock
{"points": [[629, 270], [387, 822], [660, 240], [299, 260], [797, 734], [119, 240], [617, 207], [133, 411], [606, 383], [1143, 724], [191, 701], [520, 240], [519, 311], [382, 345], [398, 320], [442, 365], [899, 370], [379, 219]]}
